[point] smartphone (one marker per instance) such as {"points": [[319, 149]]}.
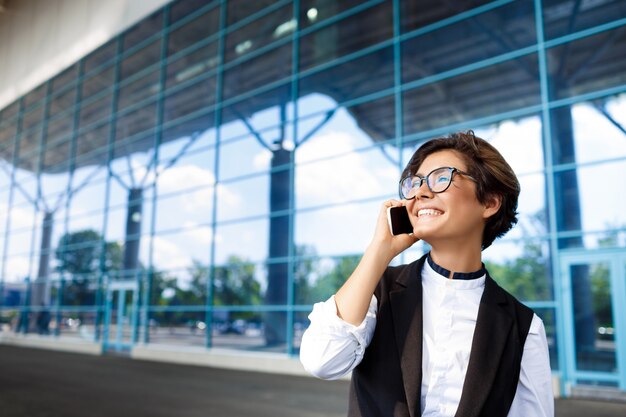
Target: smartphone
{"points": [[398, 219]]}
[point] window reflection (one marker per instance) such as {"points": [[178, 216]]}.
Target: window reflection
{"points": [[195, 98], [521, 267], [193, 31], [597, 129], [502, 87], [353, 79], [474, 39], [415, 14], [352, 176], [195, 64], [562, 17], [352, 226], [260, 33], [355, 33], [583, 65]]}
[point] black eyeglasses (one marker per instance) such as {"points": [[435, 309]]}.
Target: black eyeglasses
{"points": [[438, 180]]}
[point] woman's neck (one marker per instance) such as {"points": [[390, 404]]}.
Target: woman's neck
{"points": [[465, 260]]}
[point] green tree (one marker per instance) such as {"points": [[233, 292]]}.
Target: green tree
{"points": [[526, 277], [305, 272], [79, 255], [235, 284], [330, 282]]}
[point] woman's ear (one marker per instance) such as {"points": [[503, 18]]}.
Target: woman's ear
{"points": [[492, 205]]}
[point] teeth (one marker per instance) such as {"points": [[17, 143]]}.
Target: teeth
{"points": [[428, 212]]}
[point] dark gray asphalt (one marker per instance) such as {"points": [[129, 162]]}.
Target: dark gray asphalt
{"points": [[41, 383]]}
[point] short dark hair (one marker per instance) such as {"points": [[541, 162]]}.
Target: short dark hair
{"points": [[493, 175]]}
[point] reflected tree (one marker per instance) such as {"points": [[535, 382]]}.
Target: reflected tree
{"points": [[79, 255]]}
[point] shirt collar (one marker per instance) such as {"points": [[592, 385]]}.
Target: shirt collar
{"points": [[457, 275]]}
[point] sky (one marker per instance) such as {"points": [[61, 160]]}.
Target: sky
{"points": [[338, 189]]}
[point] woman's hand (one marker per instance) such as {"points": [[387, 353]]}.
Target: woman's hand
{"points": [[383, 241], [353, 298]]}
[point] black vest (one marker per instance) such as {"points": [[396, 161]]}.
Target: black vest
{"points": [[388, 381]]}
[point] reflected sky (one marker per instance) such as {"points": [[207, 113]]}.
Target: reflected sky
{"points": [[340, 181]]}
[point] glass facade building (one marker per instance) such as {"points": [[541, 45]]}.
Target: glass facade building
{"points": [[208, 174]]}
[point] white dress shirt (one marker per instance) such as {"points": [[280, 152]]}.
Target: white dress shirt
{"points": [[331, 347]]}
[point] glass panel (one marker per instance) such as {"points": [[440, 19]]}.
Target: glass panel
{"points": [[352, 226], [239, 9], [65, 78], [548, 317], [562, 17], [32, 118], [197, 97], [593, 317], [260, 115], [488, 91], [315, 11], [95, 111], [91, 146], [34, 96], [100, 56], [353, 79], [415, 14], [56, 157], [355, 33], [316, 279], [588, 64], [259, 33], [370, 173], [490, 34], [194, 31], [174, 327], [138, 90], [596, 132], [245, 240], [245, 330], [62, 102], [98, 82], [89, 185], [60, 129], [606, 180], [181, 8], [521, 267], [247, 156], [258, 72], [29, 146], [194, 64], [7, 137], [80, 289], [122, 314], [10, 111], [146, 28], [341, 130], [236, 283], [140, 60], [189, 209], [198, 128], [232, 198], [135, 122]]}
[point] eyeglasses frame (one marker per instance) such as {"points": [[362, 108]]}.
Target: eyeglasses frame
{"points": [[423, 179]]}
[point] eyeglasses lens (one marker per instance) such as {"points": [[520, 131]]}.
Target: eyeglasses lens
{"points": [[438, 181]]}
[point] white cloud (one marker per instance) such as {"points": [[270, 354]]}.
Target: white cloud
{"points": [[350, 176], [178, 178], [167, 254]]}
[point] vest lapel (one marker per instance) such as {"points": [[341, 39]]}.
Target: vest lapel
{"points": [[406, 308], [493, 325]]}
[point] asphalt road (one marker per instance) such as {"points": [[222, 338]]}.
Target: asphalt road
{"points": [[41, 383]]}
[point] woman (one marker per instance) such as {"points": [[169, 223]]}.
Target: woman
{"points": [[437, 337]]}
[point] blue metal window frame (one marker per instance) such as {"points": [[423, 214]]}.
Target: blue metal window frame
{"points": [[616, 259]]}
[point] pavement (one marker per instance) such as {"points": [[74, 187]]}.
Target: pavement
{"points": [[43, 383]]}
